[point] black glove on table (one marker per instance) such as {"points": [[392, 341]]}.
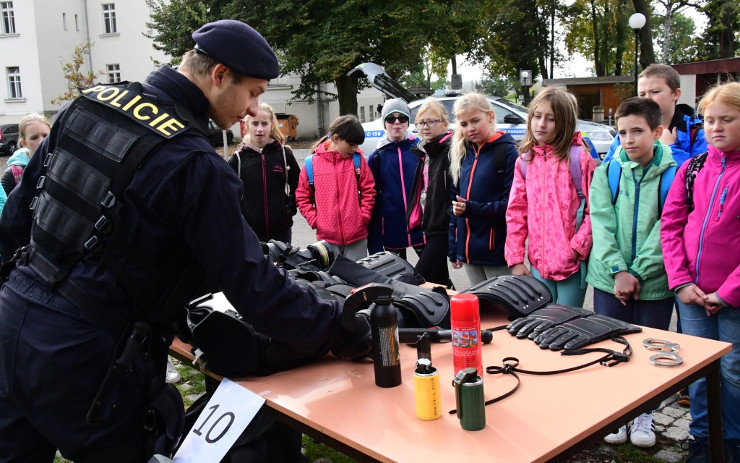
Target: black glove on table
{"points": [[545, 318], [580, 332]]}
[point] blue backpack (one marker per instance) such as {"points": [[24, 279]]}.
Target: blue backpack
{"points": [[614, 173], [308, 162]]}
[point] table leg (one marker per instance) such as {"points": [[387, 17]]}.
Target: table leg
{"points": [[714, 413]]}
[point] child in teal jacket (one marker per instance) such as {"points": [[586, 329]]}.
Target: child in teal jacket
{"points": [[626, 266]]}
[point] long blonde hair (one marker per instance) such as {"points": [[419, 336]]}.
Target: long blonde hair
{"points": [[275, 132], [474, 101], [565, 107]]}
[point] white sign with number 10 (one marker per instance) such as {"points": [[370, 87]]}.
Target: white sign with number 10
{"points": [[221, 422]]}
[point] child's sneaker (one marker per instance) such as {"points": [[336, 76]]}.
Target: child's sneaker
{"points": [[642, 431], [698, 450], [617, 437]]}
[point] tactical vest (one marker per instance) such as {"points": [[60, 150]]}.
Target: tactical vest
{"points": [[107, 132]]}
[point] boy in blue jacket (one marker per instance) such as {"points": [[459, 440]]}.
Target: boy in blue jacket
{"points": [[683, 132]]}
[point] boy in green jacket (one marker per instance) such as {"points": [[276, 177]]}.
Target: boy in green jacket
{"points": [[626, 262]]}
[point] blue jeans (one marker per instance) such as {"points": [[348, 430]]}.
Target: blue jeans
{"points": [[655, 314], [566, 292], [722, 326]]}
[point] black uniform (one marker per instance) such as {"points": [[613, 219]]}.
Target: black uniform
{"points": [[183, 201], [266, 205]]}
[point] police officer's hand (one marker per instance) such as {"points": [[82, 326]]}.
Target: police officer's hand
{"points": [[360, 344]]}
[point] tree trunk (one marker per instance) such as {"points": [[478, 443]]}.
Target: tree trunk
{"points": [[667, 34], [600, 71], [346, 94], [727, 34], [647, 54]]}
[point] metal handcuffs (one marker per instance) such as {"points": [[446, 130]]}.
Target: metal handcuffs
{"points": [[668, 352]]}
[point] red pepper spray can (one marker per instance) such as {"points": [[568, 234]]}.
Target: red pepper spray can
{"points": [[466, 340]]}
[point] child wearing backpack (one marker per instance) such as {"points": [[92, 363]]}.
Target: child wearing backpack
{"points": [[626, 266], [683, 131], [549, 201], [339, 200], [701, 244]]}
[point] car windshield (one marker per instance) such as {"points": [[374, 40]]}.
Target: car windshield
{"points": [[513, 106]]}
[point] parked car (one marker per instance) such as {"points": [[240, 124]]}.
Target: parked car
{"points": [[217, 138], [510, 117], [8, 138]]}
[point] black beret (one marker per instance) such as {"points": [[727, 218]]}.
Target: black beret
{"points": [[238, 47]]}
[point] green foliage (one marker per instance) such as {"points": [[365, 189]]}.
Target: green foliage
{"points": [[720, 38], [76, 78], [681, 48], [498, 86]]}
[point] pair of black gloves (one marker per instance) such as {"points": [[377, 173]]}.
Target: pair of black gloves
{"points": [[559, 327]]}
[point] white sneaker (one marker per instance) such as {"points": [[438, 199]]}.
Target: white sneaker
{"points": [[642, 432], [172, 375], [619, 437]]}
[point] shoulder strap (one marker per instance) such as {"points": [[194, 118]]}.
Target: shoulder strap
{"points": [[309, 169], [500, 165], [286, 167], [575, 169], [614, 173], [695, 164], [357, 162], [523, 167], [666, 179]]}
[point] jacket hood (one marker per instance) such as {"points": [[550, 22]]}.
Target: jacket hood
{"points": [[19, 158], [662, 157], [323, 151], [410, 137], [420, 148]]}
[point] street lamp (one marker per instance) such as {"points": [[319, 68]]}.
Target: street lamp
{"points": [[637, 21]]}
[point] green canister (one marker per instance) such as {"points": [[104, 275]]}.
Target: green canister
{"points": [[471, 408]]}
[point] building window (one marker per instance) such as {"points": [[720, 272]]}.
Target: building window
{"points": [[64, 21], [109, 18], [77, 24], [370, 112], [114, 73], [362, 114], [8, 25], [14, 83]]}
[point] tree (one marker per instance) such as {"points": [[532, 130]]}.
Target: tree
{"points": [[718, 40], [663, 26], [76, 79], [681, 48], [498, 86], [322, 40]]}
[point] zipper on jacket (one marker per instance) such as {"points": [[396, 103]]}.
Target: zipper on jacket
{"points": [[264, 195], [337, 201], [467, 198], [706, 219], [403, 190], [636, 212], [722, 201]]}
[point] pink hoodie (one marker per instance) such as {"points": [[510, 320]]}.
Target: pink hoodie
{"points": [[543, 207], [332, 207], [703, 246]]}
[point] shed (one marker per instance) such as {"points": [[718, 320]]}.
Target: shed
{"points": [[607, 91]]}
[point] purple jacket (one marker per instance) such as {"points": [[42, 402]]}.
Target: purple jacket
{"points": [[703, 246]]}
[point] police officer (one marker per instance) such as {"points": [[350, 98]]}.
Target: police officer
{"points": [[126, 209]]}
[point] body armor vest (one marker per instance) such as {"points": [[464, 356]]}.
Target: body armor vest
{"points": [[107, 132]]}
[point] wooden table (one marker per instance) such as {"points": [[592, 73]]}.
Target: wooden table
{"points": [[548, 418]]}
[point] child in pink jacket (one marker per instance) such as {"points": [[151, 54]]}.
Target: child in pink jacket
{"points": [[339, 202], [545, 204], [701, 244]]}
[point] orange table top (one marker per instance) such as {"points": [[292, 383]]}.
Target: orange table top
{"points": [[546, 416]]}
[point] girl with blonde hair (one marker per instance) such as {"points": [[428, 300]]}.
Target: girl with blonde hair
{"points": [[32, 129], [269, 172], [482, 168]]}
